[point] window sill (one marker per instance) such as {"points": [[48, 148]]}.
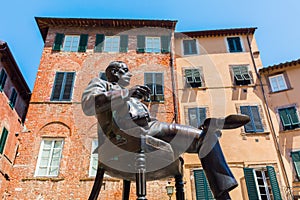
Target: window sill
{"points": [[53, 102], [255, 133], [52, 179], [244, 86], [292, 130], [196, 88], [271, 92], [153, 102], [104, 179]]}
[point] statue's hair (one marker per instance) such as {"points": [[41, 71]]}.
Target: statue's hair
{"points": [[111, 69]]}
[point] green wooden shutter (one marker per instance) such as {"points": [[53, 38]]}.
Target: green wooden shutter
{"points": [[251, 184], [123, 43], [230, 44], [257, 119], [274, 183], [3, 140], [293, 115], [13, 98], [284, 117], [192, 114], [203, 191], [3, 77], [165, 43], [246, 111], [202, 116], [99, 43], [141, 44], [296, 160], [83, 42], [68, 86], [238, 44], [58, 41], [59, 77]]}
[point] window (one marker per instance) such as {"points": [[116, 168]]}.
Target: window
{"points": [[234, 44], [105, 43], [71, 43], [289, 118], [153, 44], [94, 159], [196, 116], [262, 183], [203, 190], [3, 139], [296, 160], [3, 77], [241, 75], [49, 157], [63, 86], [277, 83], [155, 82], [193, 78], [255, 124], [112, 44], [189, 47], [13, 98]]}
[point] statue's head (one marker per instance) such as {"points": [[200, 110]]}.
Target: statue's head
{"points": [[118, 72]]}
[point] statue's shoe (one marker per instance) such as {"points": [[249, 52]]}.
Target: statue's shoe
{"points": [[229, 122]]}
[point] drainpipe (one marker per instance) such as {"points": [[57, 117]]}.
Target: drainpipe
{"points": [[286, 180], [173, 78]]}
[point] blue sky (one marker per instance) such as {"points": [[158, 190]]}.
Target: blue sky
{"points": [[278, 33]]}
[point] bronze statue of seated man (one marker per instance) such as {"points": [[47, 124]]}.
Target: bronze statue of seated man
{"points": [[123, 119]]}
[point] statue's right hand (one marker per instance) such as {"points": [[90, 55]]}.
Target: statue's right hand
{"points": [[140, 91]]}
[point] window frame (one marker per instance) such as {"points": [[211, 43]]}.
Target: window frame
{"points": [[235, 50], [194, 83], [190, 53], [268, 182], [73, 47], [277, 82], [153, 96], [93, 159], [50, 160], [243, 77], [152, 48], [292, 125], [63, 86], [109, 44]]}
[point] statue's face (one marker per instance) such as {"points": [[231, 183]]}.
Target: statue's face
{"points": [[123, 75]]}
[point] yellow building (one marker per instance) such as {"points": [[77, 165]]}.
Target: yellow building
{"points": [[216, 76], [281, 87]]}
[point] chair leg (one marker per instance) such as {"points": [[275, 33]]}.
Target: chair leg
{"points": [[97, 184], [126, 190], [179, 187], [141, 176]]}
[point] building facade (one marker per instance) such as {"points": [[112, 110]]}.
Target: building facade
{"points": [[216, 73], [192, 75], [14, 97], [281, 89]]}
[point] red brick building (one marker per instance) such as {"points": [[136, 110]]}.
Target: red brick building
{"points": [[14, 98], [55, 159]]}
